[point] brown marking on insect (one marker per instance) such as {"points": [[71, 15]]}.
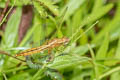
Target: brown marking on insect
{"points": [[51, 44]]}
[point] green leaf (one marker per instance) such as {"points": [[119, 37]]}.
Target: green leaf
{"points": [[117, 55], [81, 50], [11, 31], [115, 76], [23, 76], [97, 4], [38, 33], [110, 55], [109, 26], [40, 9], [49, 5], [27, 36], [84, 39], [73, 5], [101, 53], [66, 61], [97, 14], [77, 18]]}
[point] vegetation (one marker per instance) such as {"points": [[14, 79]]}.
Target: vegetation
{"points": [[93, 27]]}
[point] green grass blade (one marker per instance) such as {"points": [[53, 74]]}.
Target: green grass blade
{"points": [[11, 31], [117, 55], [109, 27], [101, 53]]}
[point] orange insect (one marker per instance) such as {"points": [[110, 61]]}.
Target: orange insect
{"points": [[51, 44]]}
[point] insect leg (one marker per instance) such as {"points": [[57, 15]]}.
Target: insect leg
{"points": [[51, 56], [49, 51]]}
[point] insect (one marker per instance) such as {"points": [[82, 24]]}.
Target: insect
{"points": [[50, 44]]}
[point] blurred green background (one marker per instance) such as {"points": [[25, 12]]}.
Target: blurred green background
{"points": [[93, 27]]}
